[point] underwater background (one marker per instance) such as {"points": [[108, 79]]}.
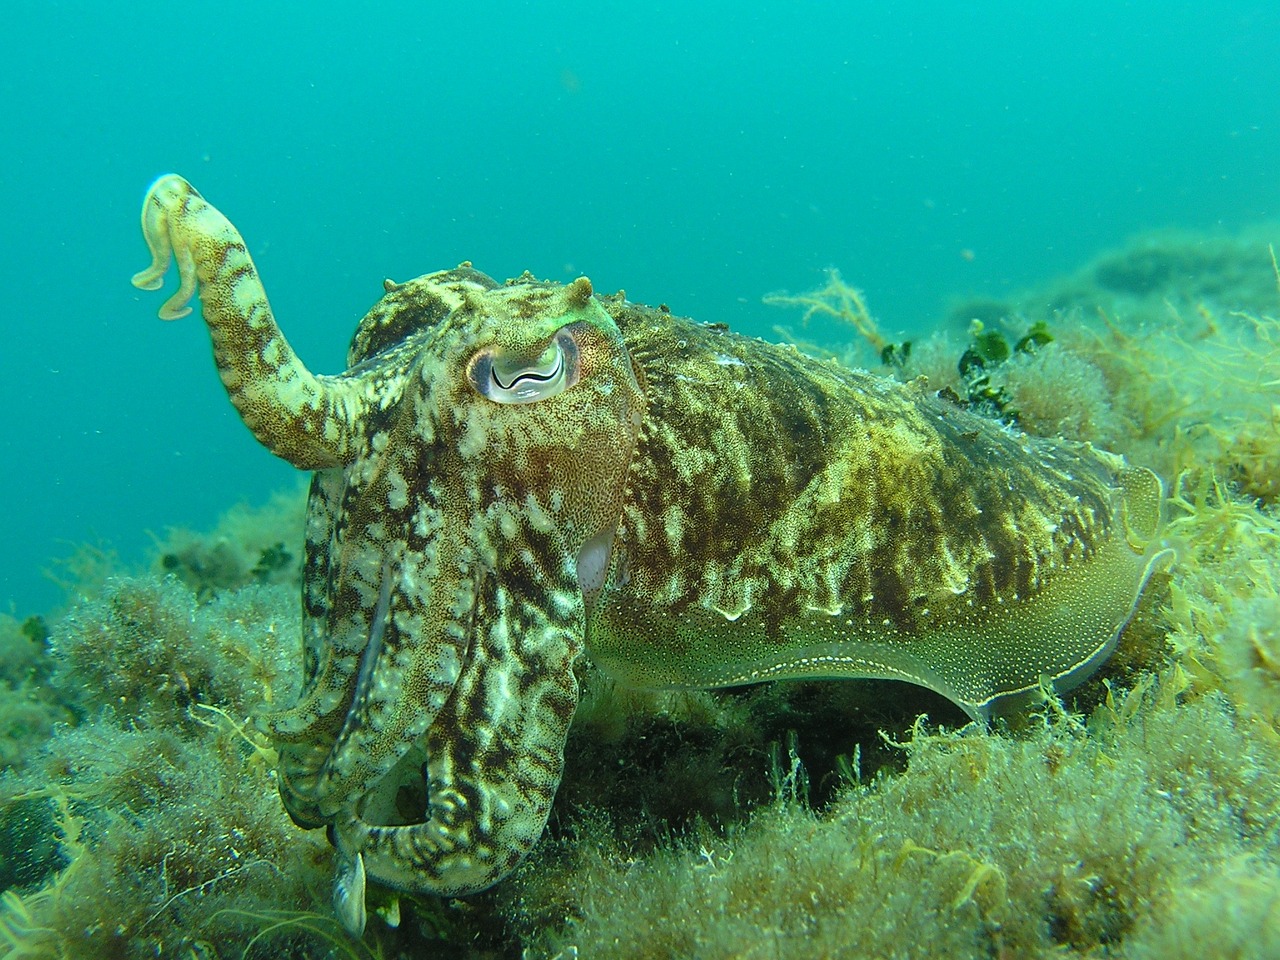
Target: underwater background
{"points": [[1070, 211], [700, 154]]}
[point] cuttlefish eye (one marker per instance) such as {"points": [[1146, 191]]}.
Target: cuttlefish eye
{"points": [[509, 380]]}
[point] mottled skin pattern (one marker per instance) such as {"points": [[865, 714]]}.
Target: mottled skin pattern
{"points": [[510, 475]]}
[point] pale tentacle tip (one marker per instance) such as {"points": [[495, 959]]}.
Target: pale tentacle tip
{"points": [[348, 894], [169, 180], [148, 279], [171, 311], [164, 191]]}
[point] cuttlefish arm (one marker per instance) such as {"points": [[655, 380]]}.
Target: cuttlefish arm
{"points": [[494, 755], [313, 422], [469, 487]]}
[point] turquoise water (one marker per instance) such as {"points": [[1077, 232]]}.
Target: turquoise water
{"points": [[701, 154]]}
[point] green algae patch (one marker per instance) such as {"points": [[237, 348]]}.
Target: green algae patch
{"points": [[250, 545], [147, 820], [1075, 838]]}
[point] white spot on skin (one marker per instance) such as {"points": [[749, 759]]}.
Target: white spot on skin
{"points": [[447, 666], [474, 440], [673, 523], [507, 524], [538, 517], [498, 693], [397, 491], [273, 353]]}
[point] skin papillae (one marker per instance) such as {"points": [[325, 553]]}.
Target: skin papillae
{"points": [[510, 476]]}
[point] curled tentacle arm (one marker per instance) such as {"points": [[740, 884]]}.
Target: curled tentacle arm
{"points": [[308, 420], [494, 756]]}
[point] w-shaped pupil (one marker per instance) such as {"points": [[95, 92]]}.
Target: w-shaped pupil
{"points": [[532, 374]]}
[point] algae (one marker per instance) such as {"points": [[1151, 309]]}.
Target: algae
{"points": [[139, 815]]}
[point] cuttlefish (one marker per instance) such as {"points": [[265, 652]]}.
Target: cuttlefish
{"points": [[510, 477]]}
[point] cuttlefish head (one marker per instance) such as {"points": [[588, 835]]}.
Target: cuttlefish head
{"points": [[451, 568], [470, 467]]}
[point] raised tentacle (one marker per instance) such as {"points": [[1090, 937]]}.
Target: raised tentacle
{"points": [[311, 421]]}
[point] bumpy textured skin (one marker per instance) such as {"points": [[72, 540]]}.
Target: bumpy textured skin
{"points": [[695, 508]]}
